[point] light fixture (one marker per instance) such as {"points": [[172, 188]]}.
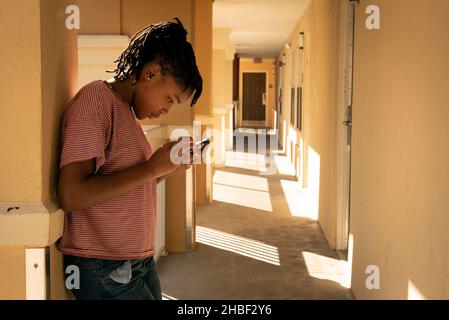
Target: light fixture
{"points": [[287, 46]]}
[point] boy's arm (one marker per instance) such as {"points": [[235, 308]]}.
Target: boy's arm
{"points": [[80, 188]]}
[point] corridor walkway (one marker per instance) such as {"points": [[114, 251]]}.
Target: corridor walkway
{"points": [[255, 242]]}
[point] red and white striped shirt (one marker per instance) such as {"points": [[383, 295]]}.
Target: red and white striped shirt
{"points": [[99, 124]]}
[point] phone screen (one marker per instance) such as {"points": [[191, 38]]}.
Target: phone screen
{"points": [[202, 144]]}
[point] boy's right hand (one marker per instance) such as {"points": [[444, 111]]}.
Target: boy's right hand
{"points": [[161, 163]]}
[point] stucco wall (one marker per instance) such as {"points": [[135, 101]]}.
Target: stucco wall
{"points": [[100, 17], [317, 140], [40, 76], [399, 207], [219, 78], [12, 273], [139, 13], [58, 85], [20, 114]]}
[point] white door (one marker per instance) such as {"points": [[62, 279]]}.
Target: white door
{"points": [[345, 124]]}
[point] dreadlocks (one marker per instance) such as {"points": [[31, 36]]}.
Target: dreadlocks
{"points": [[165, 43]]}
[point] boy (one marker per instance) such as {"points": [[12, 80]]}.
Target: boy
{"points": [[108, 172]]}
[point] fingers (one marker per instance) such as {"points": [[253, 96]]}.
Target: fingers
{"points": [[186, 151], [184, 146]]}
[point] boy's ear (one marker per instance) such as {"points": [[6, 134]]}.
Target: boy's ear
{"points": [[152, 68]]}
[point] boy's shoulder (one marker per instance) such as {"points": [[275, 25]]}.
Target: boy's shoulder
{"points": [[91, 99], [94, 86]]}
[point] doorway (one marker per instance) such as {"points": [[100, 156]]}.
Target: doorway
{"points": [[345, 124], [254, 98]]}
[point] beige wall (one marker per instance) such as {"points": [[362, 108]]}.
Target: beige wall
{"points": [[204, 171], [58, 81], [103, 17], [20, 115], [219, 78], [202, 42], [223, 56], [399, 207], [12, 273], [136, 14], [100, 17], [317, 141], [41, 61], [229, 72], [175, 219], [268, 67], [222, 71], [40, 75]]}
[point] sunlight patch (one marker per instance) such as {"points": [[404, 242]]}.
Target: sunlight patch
{"points": [[241, 180], [254, 199], [240, 245], [325, 268]]}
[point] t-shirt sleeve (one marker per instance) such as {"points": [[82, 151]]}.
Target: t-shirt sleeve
{"points": [[84, 139], [86, 128]]}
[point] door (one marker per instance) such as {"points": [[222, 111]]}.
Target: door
{"points": [[345, 125], [254, 96]]}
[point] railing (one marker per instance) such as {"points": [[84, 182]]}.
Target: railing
{"points": [[157, 135], [160, 220]]}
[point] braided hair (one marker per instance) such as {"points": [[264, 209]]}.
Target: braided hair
{"points": [[165, 43]]}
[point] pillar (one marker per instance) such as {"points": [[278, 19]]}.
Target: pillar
{"points": [[39, 76]]}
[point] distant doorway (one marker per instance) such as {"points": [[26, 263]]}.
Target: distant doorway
{"points": [[254, 98]]}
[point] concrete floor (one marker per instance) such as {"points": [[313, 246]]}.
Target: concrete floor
{"points": [[253, 243]]}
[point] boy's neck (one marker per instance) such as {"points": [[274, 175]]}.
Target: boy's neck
{"points": [[124, 88]]}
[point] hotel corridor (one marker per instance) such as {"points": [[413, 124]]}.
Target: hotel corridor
{"points": [[253, 243]]}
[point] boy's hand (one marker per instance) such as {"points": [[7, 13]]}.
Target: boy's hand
{"points": [[171, 157]]}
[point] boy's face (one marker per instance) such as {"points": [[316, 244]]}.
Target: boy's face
{"points": [[155, 94]]}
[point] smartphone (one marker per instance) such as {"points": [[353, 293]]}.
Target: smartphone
{"points": [[202, 144]]}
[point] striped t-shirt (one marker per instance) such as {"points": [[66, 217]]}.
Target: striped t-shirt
{"points": [[99, 124]]}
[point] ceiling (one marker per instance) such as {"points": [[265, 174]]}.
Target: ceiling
{"points": [[259, 28]]}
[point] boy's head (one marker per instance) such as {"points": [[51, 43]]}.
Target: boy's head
{"points": [[163, 66]]}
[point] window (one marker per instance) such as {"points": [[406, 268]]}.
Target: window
{"points": [[292, 114], [299, 108]]}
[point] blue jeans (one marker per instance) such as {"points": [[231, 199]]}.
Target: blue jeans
{"points": [[115, 279]]}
